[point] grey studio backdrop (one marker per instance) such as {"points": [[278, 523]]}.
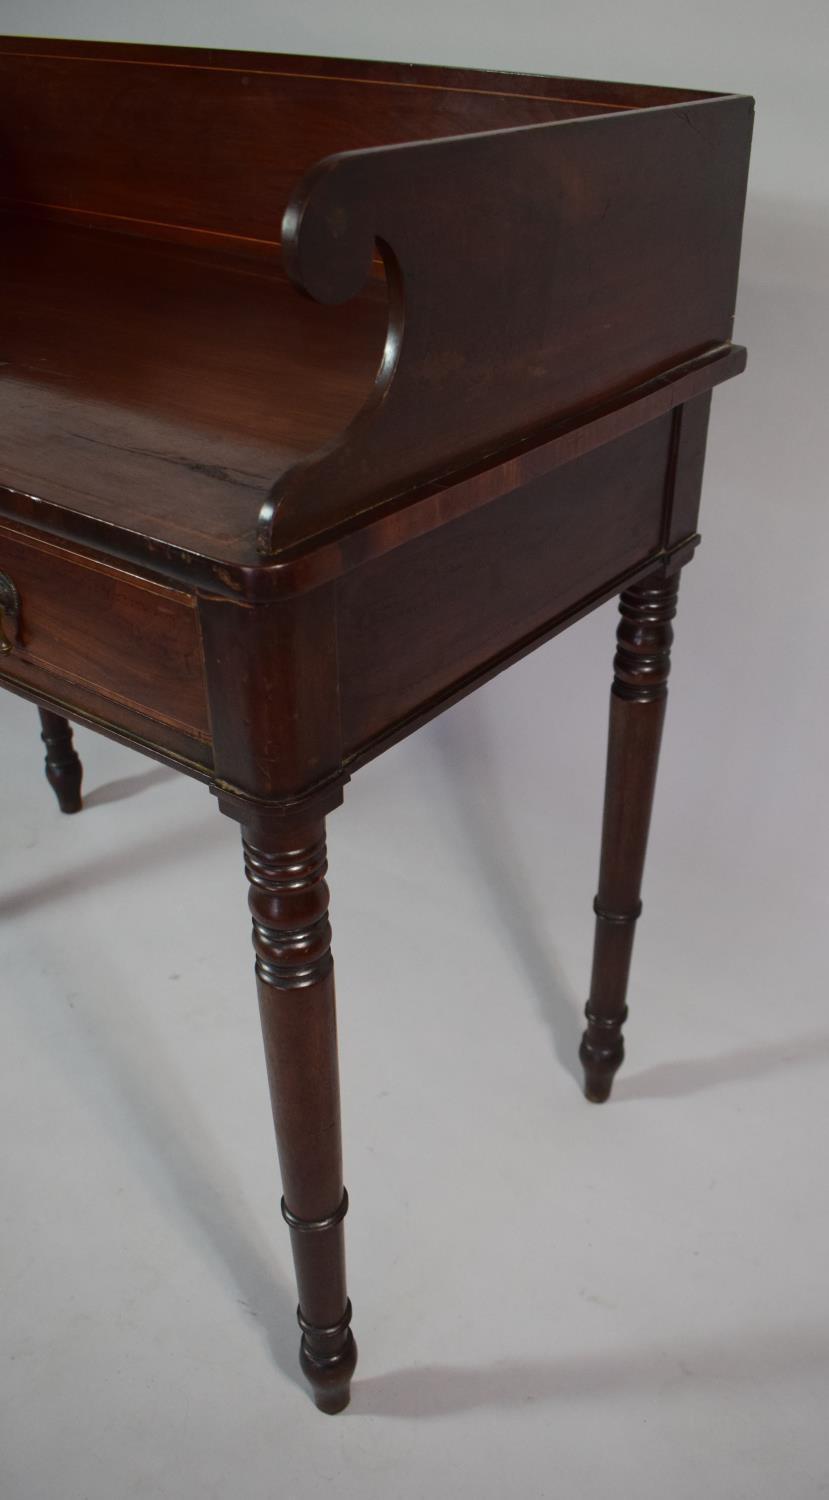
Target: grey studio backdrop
{"points": [[550, 1299]]}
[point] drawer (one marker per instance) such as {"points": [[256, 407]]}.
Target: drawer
{"points": [[101, 638]]}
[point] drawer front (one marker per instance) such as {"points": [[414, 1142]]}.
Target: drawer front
{"points": [[89, 631]]}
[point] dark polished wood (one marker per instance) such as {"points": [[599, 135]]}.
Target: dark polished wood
{"points": [[453, 385], [637, 713], [167, 395], [295, 977], [132, 640], [64, 771], [254, 123], [328, 389]]}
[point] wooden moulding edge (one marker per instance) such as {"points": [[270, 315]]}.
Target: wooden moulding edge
{"points": [[392, 521], [403, 517]]}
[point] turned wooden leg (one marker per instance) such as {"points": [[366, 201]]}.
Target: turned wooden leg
{"points": [[64, 771], [295, 978], [637, 712]]}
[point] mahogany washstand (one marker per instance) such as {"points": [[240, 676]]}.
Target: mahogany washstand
{"points": [[261, 536]]}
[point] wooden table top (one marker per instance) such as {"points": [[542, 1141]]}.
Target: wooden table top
{"points": [[166, 388]]}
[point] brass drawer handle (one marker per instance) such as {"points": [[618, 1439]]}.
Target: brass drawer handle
{"points": [[9, 614]]}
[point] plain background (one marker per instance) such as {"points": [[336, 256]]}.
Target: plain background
{"points": [[550, 1299]]}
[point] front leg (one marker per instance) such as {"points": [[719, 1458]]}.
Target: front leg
{"points": [[637, 713], [295, 978]]}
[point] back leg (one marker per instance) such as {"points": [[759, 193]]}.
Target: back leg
{"points": [[64, 771]]}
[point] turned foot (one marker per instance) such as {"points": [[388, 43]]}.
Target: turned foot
{"points": [[327, 1358], [64, 771], [601, 1054]]}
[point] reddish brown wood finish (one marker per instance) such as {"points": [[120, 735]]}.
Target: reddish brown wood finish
{"points": [[64, 771], [586, 198], [276, 723], [295, 977], [253, 122], [84, 622], [262, 539], [161, 377], [637, 713], [500, 574], [162, 388]]}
